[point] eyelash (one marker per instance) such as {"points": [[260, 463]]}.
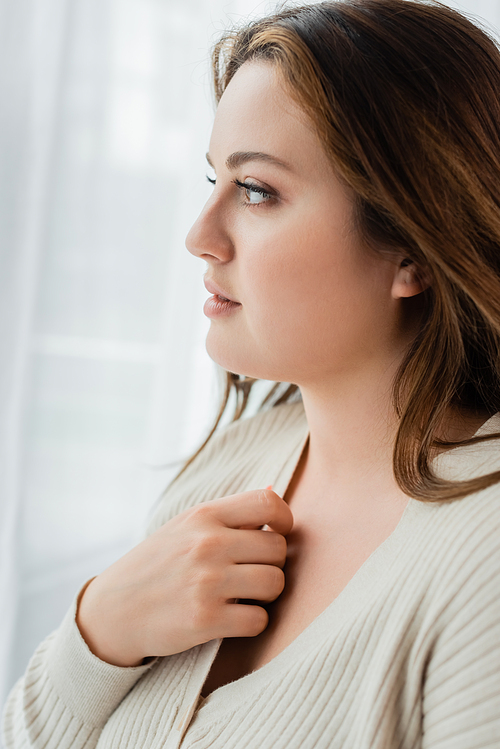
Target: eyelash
{"points": [[249, 186]]}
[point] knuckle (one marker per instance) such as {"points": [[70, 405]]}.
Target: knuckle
{"points": [[199, 512], [204, 546], [202, 619], [204, 600], [207, 580]]}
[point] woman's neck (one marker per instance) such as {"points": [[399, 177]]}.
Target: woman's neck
{"points": [[353, 426]]}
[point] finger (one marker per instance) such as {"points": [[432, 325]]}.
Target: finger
{"points": [[258, 582], [242, 620], [253, 509], [255, 547], [263, 527]]}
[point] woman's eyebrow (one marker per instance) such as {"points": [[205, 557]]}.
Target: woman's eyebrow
{"points": [[238, 158]]}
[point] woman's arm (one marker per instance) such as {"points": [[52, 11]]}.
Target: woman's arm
{"points": [[176, 589], [67, 693], [171, 592]]}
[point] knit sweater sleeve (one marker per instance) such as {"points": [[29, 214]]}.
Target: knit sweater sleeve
{"points": [[461, 700], [66, 694]]}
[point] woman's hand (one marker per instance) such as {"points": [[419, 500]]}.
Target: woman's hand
{"points": [[178, 588]]}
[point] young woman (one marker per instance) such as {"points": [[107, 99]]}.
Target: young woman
{"points": [[325, 573]]}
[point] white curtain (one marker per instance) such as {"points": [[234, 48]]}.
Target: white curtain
{"points": [[105, 117], [106, 113]]}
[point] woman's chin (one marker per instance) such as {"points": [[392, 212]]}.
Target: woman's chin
{"points": [[244, 367], [219, 353], [228, 362], [228, 357]]}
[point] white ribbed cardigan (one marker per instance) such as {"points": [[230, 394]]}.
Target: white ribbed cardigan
{"points": [[406, 657]]}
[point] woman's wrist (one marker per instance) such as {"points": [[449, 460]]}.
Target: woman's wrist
{"points": [[84, 627]]}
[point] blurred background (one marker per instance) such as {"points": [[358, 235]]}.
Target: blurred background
{"points": [[105, 385]]}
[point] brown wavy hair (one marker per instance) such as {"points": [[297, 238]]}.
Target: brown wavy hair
{"points": [[405, 97]]}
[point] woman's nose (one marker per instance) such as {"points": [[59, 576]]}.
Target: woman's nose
{"points": [[207, 238]]}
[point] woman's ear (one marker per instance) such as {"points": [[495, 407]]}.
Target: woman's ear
{"points": [[409, 280]]}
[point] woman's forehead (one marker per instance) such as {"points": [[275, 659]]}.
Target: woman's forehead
{"points": [[257, 114]]}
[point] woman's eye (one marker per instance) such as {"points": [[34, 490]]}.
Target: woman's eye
{"points": [[254, 194]]}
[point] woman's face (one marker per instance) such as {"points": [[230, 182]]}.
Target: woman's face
{"points": [[313, 302]]}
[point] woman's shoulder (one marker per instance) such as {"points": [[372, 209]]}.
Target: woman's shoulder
{"points": [[465, 532], [468, 462], [477, 459], [468, 527], [478, 511], [240, 456]]}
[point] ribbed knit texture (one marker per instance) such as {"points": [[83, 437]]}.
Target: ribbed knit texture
{"points": [[406, 657]]}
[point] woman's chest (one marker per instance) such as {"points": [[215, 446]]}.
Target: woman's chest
{"points": [[324, 553], [302, 599]]}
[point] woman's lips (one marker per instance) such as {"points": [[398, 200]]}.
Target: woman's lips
{"points": [[220, 303], [217, 306], [213, 288]]}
